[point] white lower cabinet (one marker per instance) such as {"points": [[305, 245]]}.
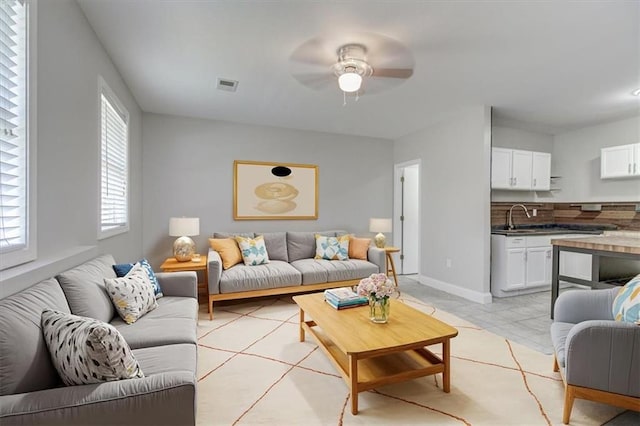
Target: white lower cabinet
{"points": [[521, 265]]}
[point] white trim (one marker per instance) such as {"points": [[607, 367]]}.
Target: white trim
{"points": [[474, 296], [104, 89], [396, 203]]}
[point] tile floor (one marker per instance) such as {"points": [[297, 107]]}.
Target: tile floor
{"points": [[523, 319]]}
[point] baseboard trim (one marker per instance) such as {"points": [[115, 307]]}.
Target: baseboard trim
{"points": [[474, 296]]}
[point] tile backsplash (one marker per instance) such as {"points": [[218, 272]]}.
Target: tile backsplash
{"points": [[623, 214]]}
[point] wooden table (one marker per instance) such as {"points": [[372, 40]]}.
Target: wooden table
{"points": [[609, 245], [369, 355], [196, 264], [391, 267]]}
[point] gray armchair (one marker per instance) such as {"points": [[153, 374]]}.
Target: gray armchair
{"points": [[598, 358]]}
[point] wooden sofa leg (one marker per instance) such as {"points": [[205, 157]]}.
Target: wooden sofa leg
{"points": [[569, 396], [210, 307], [556, 367]]}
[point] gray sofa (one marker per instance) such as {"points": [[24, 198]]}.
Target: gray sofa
{"points": [[598, 358], [163, 341], [291, 268]]}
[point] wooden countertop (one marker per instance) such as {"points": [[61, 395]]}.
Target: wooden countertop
{"points": [[614, 243]]}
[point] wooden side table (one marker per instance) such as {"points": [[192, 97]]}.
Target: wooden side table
{"points": [[391, 267], [197, 264]]}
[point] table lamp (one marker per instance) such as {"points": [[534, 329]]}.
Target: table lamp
{"points": [[184, 227], [380, 225]]}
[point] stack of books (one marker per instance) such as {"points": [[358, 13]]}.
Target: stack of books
{"points": [[344, 297]]}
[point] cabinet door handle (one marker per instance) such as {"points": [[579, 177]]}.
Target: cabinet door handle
{"points": [[629, 168], [535, 182], [515, 181]]}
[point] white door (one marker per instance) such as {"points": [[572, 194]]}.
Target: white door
{"points": [[516, 271], [521, 169], [538, 272], [406, 217], [541, 171], [616, 161], [500, 168]]}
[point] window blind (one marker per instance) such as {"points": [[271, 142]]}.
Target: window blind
{"points": [[115, 174], [13, 126]]}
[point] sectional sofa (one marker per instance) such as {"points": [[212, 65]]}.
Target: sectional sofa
{"points": [[292, 268], [163, 341]]}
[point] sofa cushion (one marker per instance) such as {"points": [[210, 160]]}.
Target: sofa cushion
{"points": [[332, 248], [228, 250], [162, 359], [172, 322], [351, 269], [313, 271], [123, 269], [25, 364], [626, 305], [271, 275], [276, 243], [359, 247], [254, 251], [84, 288], [559, 333], [302, 245], [132, 295], [85, 350]]}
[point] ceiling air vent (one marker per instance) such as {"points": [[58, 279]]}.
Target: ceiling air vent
{"points": [[228, 85]]}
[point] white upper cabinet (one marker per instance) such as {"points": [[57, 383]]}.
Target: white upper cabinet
{"points": [[516, 169], [541, 171], [620, 161]]}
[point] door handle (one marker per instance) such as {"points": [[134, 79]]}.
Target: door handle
{"points": [[534, 182]]}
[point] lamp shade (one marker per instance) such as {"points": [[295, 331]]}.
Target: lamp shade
{"points": [[184, 226], [350, 82], [380, 225]]}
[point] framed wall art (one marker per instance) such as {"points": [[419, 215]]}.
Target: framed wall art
{"points": [[274, 191]]}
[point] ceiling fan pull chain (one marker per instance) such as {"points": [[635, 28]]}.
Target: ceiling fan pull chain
{"points": [[344, 99], [357, 95]]}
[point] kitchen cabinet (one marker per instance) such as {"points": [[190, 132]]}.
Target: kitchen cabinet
{"points": [[515, 169], [520, 265], [620, 161]]}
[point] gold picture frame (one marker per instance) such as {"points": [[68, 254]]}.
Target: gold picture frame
{"points": [[274, 191]]}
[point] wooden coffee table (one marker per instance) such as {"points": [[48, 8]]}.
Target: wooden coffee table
{"points": [[370, 355]]}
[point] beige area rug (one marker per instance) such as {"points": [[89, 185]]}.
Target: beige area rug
{"points": [[252, 370]]}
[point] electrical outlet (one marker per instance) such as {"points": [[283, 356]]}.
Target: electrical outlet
{"points": [[535, 212], [448, 263]]}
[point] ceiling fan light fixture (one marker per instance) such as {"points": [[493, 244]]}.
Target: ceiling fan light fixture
{"points": [[350, 82]]}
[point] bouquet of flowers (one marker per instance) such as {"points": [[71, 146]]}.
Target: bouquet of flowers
{"points": [[377, 286]]}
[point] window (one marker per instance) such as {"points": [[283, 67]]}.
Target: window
{"points": [[17, 142], [114, 175]]}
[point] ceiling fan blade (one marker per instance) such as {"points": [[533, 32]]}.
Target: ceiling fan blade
{"points": [[315, 52], [315, 81], [392, 72]]}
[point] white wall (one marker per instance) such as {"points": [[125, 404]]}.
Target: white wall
{"points": [[455, 201], [509, 137], [188, 171], [576, 157], [70, 58]]}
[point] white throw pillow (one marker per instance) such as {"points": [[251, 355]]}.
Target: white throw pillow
{"points": [[132, 295], [86, 350]]}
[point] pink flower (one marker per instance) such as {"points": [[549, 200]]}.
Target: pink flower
{"points": [[376, 285]]}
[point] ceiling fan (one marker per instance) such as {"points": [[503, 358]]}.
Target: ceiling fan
{"points": [[373, 64]]}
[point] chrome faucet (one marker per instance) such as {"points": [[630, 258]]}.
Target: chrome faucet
{"points": [[510, 218]]}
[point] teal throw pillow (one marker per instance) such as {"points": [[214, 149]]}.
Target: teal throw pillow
{"points": [[626, 305], [123, 269]]}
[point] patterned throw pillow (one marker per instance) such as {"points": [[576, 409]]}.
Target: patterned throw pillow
{"points": [[123, 269], [253, 250], [132, 295], [332, 248], [228, 250], [85, 350], [626, 305], [359, 247]]}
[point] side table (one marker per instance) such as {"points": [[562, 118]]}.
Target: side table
{"points": [[197, 264], [391, 267]]}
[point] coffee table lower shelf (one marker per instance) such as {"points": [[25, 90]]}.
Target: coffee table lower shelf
{"points": [[364, 372]]}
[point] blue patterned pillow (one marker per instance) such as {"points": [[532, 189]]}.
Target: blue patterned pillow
{"points": [[254, 251], [332, 248], [626, 305], [123, 269]]}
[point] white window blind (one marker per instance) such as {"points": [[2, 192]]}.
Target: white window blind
{"points": [[13, 127], [114, 212]]}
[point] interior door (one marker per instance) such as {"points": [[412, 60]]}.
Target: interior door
{"points": [[410, 225]]}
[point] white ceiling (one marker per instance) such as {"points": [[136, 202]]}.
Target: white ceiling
{"points": [[547, 65]]}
